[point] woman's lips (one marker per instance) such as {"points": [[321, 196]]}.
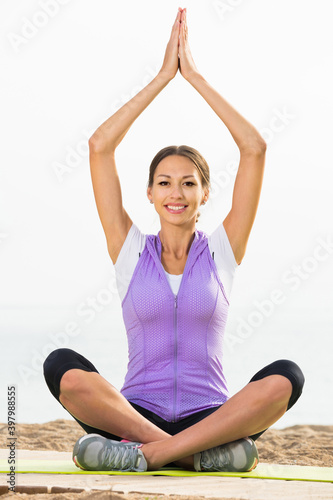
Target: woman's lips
{"points": [[172, 209]]}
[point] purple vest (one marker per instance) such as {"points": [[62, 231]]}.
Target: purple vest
{"points": [[175, 343]]}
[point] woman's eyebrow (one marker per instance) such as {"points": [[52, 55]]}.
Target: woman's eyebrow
{"points": [[169, 176]]}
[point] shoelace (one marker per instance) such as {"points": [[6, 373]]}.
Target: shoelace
{"points": [[120, 457], [215, 458]]}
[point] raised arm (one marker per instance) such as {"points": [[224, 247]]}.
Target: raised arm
{"points": [[102, 145], [239, 221]]}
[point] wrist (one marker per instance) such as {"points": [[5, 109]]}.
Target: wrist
{"points": [[163, 76], [194, 76]]}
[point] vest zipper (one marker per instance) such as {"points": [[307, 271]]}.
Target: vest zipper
{"points": [[175, 361]]}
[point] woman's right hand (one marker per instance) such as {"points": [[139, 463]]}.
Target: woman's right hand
{"points": [[171, 62]]}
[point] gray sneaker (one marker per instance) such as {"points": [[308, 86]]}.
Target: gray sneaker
{"points": [[95, 452], [237, 456]]}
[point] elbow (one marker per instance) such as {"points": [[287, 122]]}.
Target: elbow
{"points": [[95, 144], [262, 145], [253, 144], [99, 145], [256, 148]]}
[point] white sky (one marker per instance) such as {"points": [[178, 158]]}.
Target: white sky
{"points": [[61, 80]]}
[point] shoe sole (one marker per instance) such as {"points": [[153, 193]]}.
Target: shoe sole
{"points": [[254, 465], [77, 463]]}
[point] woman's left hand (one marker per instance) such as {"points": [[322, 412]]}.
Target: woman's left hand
{"points": [[187, 67]]}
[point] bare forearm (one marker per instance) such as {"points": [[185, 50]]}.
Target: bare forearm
{"points": [[114, 129], [244, 134]]}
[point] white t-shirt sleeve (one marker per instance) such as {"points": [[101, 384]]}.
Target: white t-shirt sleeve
{"points": [[223, 255], [128, 258]]}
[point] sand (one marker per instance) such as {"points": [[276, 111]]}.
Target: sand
{"points": [[297, 445]]}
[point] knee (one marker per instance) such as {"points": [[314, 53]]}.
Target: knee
{"points": [[290, 376], [277, 389], [53, 361], [292, 371], [71, 382]]}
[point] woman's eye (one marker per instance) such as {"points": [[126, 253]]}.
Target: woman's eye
{"points": [[188, 183]]}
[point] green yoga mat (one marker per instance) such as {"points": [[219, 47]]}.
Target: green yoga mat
{"points": [[262, 471]]}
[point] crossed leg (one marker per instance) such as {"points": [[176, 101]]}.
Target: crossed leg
{"points": [[95, 402], [253, 409]]}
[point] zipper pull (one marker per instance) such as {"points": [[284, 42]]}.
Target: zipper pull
{"points": [[176, 301]]}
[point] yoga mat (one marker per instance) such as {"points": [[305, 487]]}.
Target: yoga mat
{"points": [[262, 471]]}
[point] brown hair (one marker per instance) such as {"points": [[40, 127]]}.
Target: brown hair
{"points": [[197, 159]]}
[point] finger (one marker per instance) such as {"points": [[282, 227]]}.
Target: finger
{"points": [[181, 23], [176, 24], [183, 28], [183, 19]]}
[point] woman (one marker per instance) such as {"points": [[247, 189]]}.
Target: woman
{"points": [[174, 406]]}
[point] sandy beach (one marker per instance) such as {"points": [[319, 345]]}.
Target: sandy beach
{"points": [[297, 445]]}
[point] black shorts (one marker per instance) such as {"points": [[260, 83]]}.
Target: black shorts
{"points": [[61, 360]]}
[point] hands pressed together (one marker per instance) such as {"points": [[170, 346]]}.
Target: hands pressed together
{"points": [[178, 54]]}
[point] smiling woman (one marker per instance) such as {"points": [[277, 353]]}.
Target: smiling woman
{"points": [[181, 160], [175, 288]]}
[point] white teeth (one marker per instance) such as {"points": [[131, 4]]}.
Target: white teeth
{"points": [[175, 208]]}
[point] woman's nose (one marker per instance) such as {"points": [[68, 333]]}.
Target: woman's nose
{"points": [[177, 192]]}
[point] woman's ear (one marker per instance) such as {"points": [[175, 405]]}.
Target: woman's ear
{"points": [[150, 194], [206, 196]]}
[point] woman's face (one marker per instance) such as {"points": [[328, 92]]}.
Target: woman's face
{"points": [[177, 191]]}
